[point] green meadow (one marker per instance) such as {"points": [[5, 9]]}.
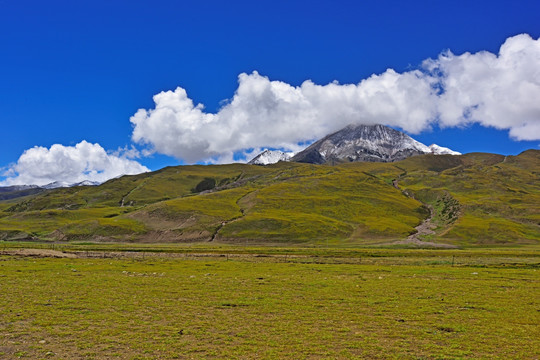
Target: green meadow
{"points": [[228, 302], [475, 200], [286, 261]]}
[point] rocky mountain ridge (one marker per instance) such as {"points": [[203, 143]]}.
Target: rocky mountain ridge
{"points": [[271, 157], [16, 191], [372, 143]]}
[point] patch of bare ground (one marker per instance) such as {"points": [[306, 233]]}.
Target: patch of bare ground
{"points": [[425, 228], [37, 253], [419, 243]]}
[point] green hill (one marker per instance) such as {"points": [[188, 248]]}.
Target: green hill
{"points": [[477, 199]]}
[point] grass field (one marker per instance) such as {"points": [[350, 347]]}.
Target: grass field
{"points": [[246, 303], [476, 199]]}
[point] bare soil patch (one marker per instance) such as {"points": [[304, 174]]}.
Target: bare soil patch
{"points": [[42, 253]]}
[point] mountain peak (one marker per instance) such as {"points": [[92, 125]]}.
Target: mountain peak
{"points": [[441, 150], [270, 157], [64, 184], [375, 143]]}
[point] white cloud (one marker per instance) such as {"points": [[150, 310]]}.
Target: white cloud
{"points": [[127, 152], [501, 91], [71, 164], [274, 114]]}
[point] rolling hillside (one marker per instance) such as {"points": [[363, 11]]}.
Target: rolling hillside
{"points": [[476, 199]]}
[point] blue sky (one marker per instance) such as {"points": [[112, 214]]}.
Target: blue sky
{"points": [[79, 70]]}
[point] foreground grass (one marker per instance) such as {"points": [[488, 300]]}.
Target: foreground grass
{"points": [[270, 307]]}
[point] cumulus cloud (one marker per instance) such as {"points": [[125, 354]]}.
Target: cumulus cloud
{"points": [[274, 114], [500, 91], [70, 164]]}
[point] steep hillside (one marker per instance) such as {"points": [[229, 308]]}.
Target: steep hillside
{"points": [[297, 203], [486, 199], [13, 192], [474, 199]]}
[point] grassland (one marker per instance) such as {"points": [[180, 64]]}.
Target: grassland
{"points": [[477, 200], [284, 261], [489, 199], [192, 302]]}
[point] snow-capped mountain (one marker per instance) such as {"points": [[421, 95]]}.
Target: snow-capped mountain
{"points": [[270, 157], [86, 183], [440, 150], [377, 143], [17, 188], [15, 191], [56, 184], [62, 184]]}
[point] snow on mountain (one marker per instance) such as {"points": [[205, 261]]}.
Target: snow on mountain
{"points": [[440, 150], [86, 183], [356, 143], [17, 188], [16, 191], [270, 157], [56, 184], [376, 143], [63, 184]]}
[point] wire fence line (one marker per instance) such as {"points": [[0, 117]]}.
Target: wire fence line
{"points": [[411, 257]]}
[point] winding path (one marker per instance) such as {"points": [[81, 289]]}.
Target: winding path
{"points": [[223, 223], [122, 201], [425, 228]]}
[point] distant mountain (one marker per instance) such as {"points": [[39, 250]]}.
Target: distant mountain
{"points": [[373, 143], [270, 157], [5, 189], [17, 191], [86, 183], [440, 150], [63, 184], [56, 184]]}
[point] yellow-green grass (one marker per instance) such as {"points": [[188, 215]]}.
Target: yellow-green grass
{"points": [[176, 182], [500, 254], [298, 203], [103, 227], [194, 217], [491, 230], [76, 223], [268, 308], [4, 206], [477, 199], [498, 198], [167, 183], [333, 205]]}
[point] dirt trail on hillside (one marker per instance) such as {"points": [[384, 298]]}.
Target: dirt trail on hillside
{"points": [[242, 211], [122, 201], [425, 228]]}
